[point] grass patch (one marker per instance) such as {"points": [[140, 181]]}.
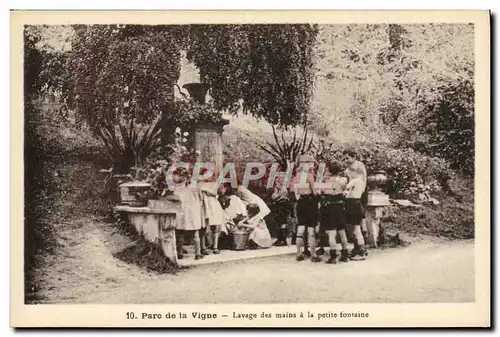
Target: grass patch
{"points": [[148, 256], [452, 218]]}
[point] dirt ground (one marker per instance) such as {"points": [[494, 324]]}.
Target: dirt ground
{"points": [[84, 271]]}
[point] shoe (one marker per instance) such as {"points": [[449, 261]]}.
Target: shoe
{"points": [[216, 251], [300, 257], [280, 243], [320, 251], [180, 256], [307, 253], [205, 252], [184, 251], [354, 252], [198, 257], [363, 252], [359, 251], [344, 255], [333, 257], [316, 259]]}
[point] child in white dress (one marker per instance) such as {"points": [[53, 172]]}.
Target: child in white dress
{"points": [[214, 216], [250, 198], [259, 233], [191, 221]]}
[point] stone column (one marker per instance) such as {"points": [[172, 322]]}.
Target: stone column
{"points": [[377, 203], [208, 141], [207, 137]]}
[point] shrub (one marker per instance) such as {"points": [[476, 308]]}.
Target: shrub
{"points": [[452, 218], [409, 171]]}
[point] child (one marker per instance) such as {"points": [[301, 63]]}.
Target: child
{"points": [[333, 213], [307, 210], [193, 219], [250, 198], [322, 236], [354, 208], [213, 213], [282, 209], [234, 206], [259, 234]]}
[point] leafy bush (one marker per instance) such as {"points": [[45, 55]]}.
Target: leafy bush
{"points": [[286, 151], [450, 125]]}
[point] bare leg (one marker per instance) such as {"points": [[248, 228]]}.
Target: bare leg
{"points": [[332, 241], [364, 229], [344, 253], [197, 245], [311, 232], [215, 238], [358, 235], [300, 242], [360, 242], [180, 243], [343, 238], [204, 237]]}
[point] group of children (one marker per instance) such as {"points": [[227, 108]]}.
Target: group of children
{"points": [[211, 214], [340, 203], [305, 212]]}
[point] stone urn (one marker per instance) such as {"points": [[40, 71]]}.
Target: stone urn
{"points": [[197, 91], [131, 191], [377, 180]]}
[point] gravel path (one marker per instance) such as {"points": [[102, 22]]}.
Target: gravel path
{"points": [[85, 271]]}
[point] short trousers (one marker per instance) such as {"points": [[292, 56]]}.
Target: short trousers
{"points": [[307, 211], [333, 215], [355, 212]]}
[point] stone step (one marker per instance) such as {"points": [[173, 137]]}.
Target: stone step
{"points": [[233, 255]]}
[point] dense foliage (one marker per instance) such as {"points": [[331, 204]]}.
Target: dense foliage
{"points": [[38, 177], [409, 85], [409, 171], [119, 79], [267, 69]]}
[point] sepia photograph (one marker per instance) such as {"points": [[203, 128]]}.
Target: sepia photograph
{"points": [[251, 163]]}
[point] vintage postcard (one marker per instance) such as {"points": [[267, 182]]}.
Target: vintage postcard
{"points": [[250, 169]]}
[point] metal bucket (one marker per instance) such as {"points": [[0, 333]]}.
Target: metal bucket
{"points": [[240, 240]]}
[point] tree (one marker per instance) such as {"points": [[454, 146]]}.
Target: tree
{"points": [[265, 69], [435, 75], [120, 83], [414, 77], [36, 233], [120, 79], [351, 82]]}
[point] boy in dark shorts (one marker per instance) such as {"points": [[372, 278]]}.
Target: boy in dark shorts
{"points": [[333, 213], [281, 207], [307, 209], [354, 208]]}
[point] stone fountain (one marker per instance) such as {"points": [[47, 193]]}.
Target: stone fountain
{"points": [[207, 137], [156, 220], [378, 201]]}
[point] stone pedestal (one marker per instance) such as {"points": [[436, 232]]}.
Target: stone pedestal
{"points": [[377, 202], [156, 223], [208, 141]]}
